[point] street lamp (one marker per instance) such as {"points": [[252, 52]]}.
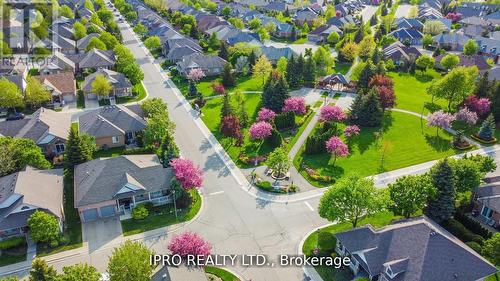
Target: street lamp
{"points": [[175, 205]]}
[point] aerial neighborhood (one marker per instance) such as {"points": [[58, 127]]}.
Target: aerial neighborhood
{"points": [[364, 131]]}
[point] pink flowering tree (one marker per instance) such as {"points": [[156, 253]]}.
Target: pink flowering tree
{"points": [[195, 75], [466, 116], [332, 113], [260, 130], [188, 175], [218, 88], [481, 106], [351, 131], [266, 115], [189, 243], [337, 148], [440, 119], [454, 17], [296, 105]]}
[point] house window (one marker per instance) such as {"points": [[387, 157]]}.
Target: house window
{"points": [[157, 194], [388, 271], [59, 148], [114, 139], [487, 212]]}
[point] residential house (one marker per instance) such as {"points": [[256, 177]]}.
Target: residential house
{"points": [[340, 22], [61, 44], [487, 204], [57, 63], [210, 21], [450, 41], [276, 6], [400, 54], [107, 187], [320, 34], [179, 42], [47, 128], [82, 44], [112, 126], [472, 31], [409, 36], [244, 37], [210, 65], [93, 60], [476, 21], [415, 249], [409, 24], [475, 60], [489, 48], [494, 74], [61, 85], [274, 53], [284, 30], [175, 55], [120, 85], [305, 15], [429, 13], [23, 193]]}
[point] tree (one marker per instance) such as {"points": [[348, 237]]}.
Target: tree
{"points": [[11, 95], [223, 52], [17, 153], [133, 73], [158, 126], [254, 24], [230, 127], [366, 75], [153, 43], [349, 51], [441, 207], [228, 79], [440, 119], [350, 199], [331, 113], [484, 87], [241, 108], [41, 271], [424, 62], [187, 174], [450, 61], [43, 227], [252, 59], [466, 173], [337, 148], [491, 248], [130, 262], [282, 65], [79, 30], [433, 27], [487, 130], [227, 108], [275, 92], [213, 41], [65, 11], [36, 94], [279, 161], [266, 115], [427, 40], [471, 48], [260, 130], [295, 104], [101, 86], [367, 47], [455, 86], [333, 38], [309, 73], [154, 106], [95, 43], [80, 271], [323, 60], [384, 88], [409, 194], [366, 110], [189, 243], [141, 30], [226, 11], [109, 40], [413, 12], [168, 149], [262, 68], [466, 116]]}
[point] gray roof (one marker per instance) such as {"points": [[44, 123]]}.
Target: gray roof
{"points": [[94, 58], [39, 125], [24, 192], [116, 79], [202, 61], [84, 42], [489, 195], [176, 54], [101, 179], [274, 54], [419, 249], [110, 121]]}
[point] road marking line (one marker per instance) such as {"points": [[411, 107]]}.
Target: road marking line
{"points": [[215, 193], [309, 206]]}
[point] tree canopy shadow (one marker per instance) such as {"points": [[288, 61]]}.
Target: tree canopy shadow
{"points": [[437, 142]]}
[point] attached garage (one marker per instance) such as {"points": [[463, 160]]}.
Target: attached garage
{"points": [[108, 211], [90, 215]]}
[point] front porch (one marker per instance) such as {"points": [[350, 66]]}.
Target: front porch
{"points": [[156, 198], [486, 222]]}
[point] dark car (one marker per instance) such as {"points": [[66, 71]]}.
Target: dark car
{"points": [[15, 116]]}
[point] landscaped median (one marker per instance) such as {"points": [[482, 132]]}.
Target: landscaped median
{"points": [[220, 273]]}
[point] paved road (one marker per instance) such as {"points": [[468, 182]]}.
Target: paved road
{"points": [[402, 11]]}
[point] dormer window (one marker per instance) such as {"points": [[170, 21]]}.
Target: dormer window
{"points": [[388, 271]]}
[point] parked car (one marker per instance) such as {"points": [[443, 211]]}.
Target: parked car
{"points": [[15, 116]]}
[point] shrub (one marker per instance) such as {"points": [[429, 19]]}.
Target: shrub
{"points": [[473, 225], [265, 185], [474, 246], [462, 233], [140, 212], [54, 243], [275, 139], [285, 120], [184, 200], [12, 242]]}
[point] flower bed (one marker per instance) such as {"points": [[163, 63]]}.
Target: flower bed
{"points": [[313, 174], [252, 160], [477, 138]]}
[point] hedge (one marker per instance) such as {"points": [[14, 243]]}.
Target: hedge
{"points": [[462, 233], [12, 242], [473, 225], [474, 246], [285, 120]]}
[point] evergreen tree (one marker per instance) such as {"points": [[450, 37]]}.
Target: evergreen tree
{"points": [[275, 92], [487, 129], [192, 90], [291, 75], [41, 271], [441, 207], [383, 11], [227, 108], [309, 74], [299, 68], [252, 58], [193, 32], [495, 100], [483, 87], [293, 34], [373, 20], [287, 12], [241, 110], [228, 79], [75, 152], [366, 110], [223, 52], [366, 75], [381, 69], [168, 149], [360, 33], [376, 56]]}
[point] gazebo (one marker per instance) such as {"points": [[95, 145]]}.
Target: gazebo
{"points": [[335, 82]]}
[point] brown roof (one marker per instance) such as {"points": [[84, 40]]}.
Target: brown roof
{"points": [[64, 81]]}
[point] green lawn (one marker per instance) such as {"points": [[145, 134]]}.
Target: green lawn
{"points": [[80, 100], [153, 221], [139, 93], [403, 139], [244, 83], [324, 239], [411, 91], [110, 152], [224, 275], [6, 259], [73, 227], [342, 68]]}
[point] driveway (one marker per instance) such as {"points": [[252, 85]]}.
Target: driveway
{"points": [[402, 11], [102, 232], [367, 12], [309, 94]]}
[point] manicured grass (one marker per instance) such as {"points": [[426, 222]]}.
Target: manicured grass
{"points": [[243, 83], [80, 100], [221, 273], [139, 93], [411, 91], [132, 226], [110, 152], [6, 259], [404, 142], [325, 240], [301, 129], [72, 225], [495, 277], [342, 68]]}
